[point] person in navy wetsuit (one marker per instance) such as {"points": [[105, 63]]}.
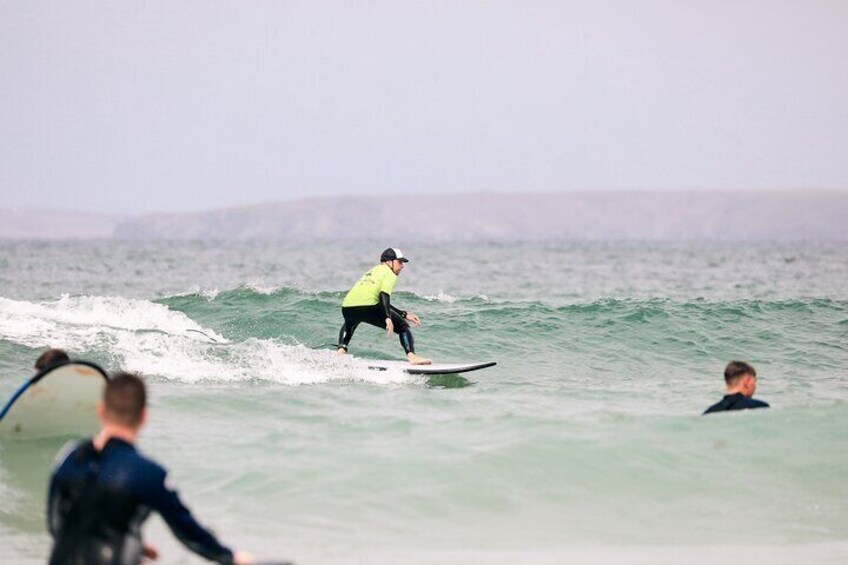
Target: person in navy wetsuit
{"points": [[103, 490], [741, 381]]}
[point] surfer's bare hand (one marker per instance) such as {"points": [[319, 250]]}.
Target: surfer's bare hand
{"points": [[416, 321], [390, 327], [242, 558]]}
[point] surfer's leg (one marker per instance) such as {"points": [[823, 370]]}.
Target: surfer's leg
{"points": [[407, 341], [373, 315], [404, 335], [345, 335], [351, 320], [344, 338], [416, 359]]}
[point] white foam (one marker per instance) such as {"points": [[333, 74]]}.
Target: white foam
{"points": [[441, 297], [260, 287], [87, 314], [143, 336], [209, 294], [254, 360]]}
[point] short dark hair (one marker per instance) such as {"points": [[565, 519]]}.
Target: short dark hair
{"points": [[735, 370], [125, 397], [51, 357]]}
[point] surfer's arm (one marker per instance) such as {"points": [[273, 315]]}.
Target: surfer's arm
{"points": [[385, 303], [179, 519], [58, 501], [55, 517], [406, 315]]}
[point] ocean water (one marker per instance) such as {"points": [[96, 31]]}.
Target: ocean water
{"points": [[585, 444]]}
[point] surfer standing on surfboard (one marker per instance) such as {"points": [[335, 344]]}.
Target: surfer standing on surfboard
{"points": [[369, 301]]}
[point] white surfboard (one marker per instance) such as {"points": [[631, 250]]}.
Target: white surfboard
{"points": [[59, 402], [433, 369]]}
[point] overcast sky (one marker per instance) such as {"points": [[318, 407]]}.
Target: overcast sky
{"points": [[175, 106]]}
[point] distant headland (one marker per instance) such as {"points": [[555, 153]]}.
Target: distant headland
{"points": [[744, 215]]}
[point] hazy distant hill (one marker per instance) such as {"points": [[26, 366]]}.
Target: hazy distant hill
{"points": [[54, 224], [707, 215], [653, 215]]}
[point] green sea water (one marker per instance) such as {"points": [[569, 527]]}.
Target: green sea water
{"points": [[584, 444]]}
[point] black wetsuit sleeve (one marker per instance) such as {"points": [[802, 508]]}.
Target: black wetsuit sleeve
{"points": [[186, 528], [54, 517], [57, 497], [398, 311], [384, 302]]}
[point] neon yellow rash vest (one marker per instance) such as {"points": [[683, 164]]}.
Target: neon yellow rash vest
{"points": [[366, 291]]}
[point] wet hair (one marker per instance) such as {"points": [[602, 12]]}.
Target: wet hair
{"points": [[51, 357], [735, 370], [125, 397]]}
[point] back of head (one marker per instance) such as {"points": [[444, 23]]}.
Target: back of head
{"points": [[51, 357], [124, 399], [735, 370]]}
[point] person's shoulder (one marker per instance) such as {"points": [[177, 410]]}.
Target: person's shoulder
{"points": [[383, 271], [71, 447], [73, 459], [150, 476], [151, 464], [142, 465], [128, 470], [717, 407], [730, 403], [754, 403]]}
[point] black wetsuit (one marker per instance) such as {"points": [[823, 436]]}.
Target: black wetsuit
{"points": [[736, 401], [376, 315], [98, 501]]}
